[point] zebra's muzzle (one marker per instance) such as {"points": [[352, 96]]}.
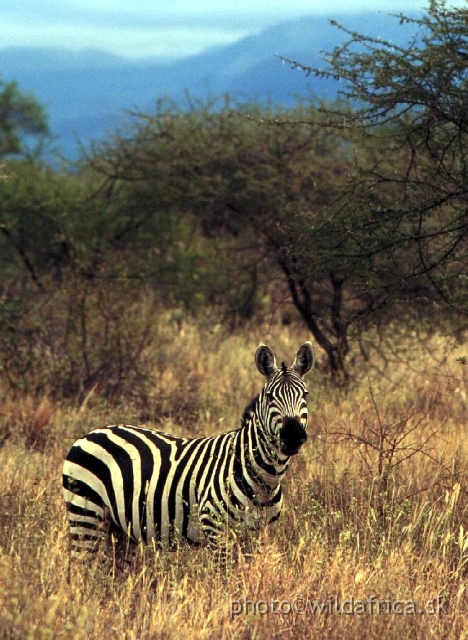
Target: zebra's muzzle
{"points": [[292, 435]]}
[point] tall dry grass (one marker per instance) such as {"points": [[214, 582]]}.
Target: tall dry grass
{"points": [[376, 508]]}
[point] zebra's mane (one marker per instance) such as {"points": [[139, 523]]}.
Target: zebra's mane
{"points": [[249, 409]]}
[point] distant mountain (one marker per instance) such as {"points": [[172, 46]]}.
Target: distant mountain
{"points": [[85, 93], [21, 59]]}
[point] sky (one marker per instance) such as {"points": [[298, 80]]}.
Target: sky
{"points": [[161, 28]]}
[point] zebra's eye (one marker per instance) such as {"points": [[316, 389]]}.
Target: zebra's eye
{"points": [[306, 394], [269, 396]]}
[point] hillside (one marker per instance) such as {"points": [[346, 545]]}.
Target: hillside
{"points": [[85, 93]]}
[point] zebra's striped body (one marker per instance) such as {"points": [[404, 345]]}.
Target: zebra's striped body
{"points": [[148, 485]]}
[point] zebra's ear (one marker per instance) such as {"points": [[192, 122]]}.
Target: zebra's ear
{"points": [[265, 360], [304, 359]]}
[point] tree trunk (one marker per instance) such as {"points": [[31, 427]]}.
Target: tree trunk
{"points": [[336, 344]]}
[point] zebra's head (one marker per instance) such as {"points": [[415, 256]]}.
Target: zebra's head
{"points": [[283, 399]]}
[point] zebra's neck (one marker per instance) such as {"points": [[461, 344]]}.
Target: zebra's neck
{"points": [[262, 459]]}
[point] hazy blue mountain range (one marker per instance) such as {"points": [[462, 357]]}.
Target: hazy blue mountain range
{"points": [[85, 93]]}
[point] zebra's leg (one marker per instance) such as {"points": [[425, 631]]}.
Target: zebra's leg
{"points": [[220, 537], [87, 525], [87, 529], [92, 529], [232, 542], [120, 546]]}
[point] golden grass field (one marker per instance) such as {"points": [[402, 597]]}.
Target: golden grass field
{"points": [[374, 529]]}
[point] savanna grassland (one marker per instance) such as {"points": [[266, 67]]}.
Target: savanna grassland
{"points": [[374, 529]]}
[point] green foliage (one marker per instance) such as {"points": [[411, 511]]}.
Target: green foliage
{"points": [[20, 115], [35, 208]]}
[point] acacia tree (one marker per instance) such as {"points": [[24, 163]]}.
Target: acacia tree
{"points": [[239, 172], [404, 220], [362, 205], [274, 189]]}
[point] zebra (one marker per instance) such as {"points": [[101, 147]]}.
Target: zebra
{"points": [[129, 485]]}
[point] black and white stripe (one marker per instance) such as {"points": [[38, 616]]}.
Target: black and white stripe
{"points": [[145, 485]]}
